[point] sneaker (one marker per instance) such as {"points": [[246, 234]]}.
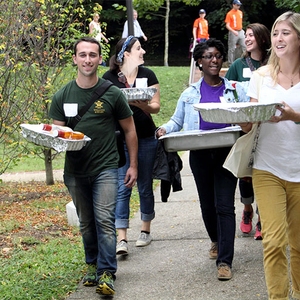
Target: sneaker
{"points": [[106, 284], [143, 240], [246, 223], [257, 235], [90, 279], [213, 251], [122, 248], [224, 272]]}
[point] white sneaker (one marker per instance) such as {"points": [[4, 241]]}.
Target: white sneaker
{"points": [[122, 248], [143, 240]]}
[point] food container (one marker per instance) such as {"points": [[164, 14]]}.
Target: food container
{"points": [[240, 112], [201, 139], [34, 133], [145, 94]]}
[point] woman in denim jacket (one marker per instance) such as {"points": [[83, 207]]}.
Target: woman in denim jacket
{"points": [[215, 185]]}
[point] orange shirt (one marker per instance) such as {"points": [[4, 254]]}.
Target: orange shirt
{"points": [[202, 28], [235, 19]]}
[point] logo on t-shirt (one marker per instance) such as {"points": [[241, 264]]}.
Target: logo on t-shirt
{"points": [[99, 107]]}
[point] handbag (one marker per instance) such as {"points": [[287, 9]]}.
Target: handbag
{"points": [[239, 161]]}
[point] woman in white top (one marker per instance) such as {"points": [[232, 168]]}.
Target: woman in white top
{"points": [[276, 169], [95, 29]]}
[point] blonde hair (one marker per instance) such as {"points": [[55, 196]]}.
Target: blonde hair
{"points": [[294, 21]]}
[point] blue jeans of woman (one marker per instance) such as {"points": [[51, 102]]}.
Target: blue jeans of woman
{"points": [[216, 189], [146, 158], [95, 202]]}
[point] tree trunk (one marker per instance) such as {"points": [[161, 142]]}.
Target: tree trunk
{"points": [[48, 166], [166, 58]]}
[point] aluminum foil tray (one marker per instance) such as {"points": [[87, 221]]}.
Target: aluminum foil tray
{"points": [[34, 133], [236, 112], [132, 94], [201, 139]]}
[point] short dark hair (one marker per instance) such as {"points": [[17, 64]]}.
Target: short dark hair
{"points": [[86, 39], [202, 47]]}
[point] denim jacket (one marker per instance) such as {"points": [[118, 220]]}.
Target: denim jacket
{"points": [[186, 117]]}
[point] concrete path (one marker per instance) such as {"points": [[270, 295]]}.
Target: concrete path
{"points": [[176, 264], [30, 176]]}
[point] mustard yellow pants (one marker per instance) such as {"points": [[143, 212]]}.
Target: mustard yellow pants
{"points": [[279, 207]]}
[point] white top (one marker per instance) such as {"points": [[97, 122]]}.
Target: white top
{"points": [[138, 32], [278, 148], [96, 30]]}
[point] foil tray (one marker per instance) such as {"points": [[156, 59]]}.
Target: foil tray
{"points": [[34, 133], [239, 112], [201, 139], [145, 94]]}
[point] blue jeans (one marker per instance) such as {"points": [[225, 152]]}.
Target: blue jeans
{"points": [[146, 158], [95, 202], [216, 189]]}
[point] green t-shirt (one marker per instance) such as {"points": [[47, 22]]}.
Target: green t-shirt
{"points": [[98, 123], [240, 71]]}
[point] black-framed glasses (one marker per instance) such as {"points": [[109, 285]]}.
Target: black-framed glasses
{"points": [[211, 56]]}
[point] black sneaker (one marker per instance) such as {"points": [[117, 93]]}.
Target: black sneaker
{"points": [[90, 279], [106, 284]]}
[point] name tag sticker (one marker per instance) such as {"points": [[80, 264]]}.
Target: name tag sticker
{"points": [[71, 109], [247, 73]]}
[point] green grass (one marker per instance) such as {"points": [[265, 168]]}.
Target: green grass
{"points": [[47, 271]]}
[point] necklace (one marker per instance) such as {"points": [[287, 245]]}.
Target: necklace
{"points": [[218, 84], [291, 79]]}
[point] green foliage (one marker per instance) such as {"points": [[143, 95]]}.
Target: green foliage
{"points": [[147, 5], [153, 5], [119, 7], [293, 5], [36, 45], [192, 2]]}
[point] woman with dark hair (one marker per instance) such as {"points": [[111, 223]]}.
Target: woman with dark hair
{"points": [[215, 185], [125, 68], [258, 43]]}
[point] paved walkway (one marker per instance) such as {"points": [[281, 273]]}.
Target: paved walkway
{"points": [[176, 264], [30, 176]]}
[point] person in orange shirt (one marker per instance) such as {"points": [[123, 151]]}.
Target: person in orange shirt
{"points": [[200, 28], [236, 34]]}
